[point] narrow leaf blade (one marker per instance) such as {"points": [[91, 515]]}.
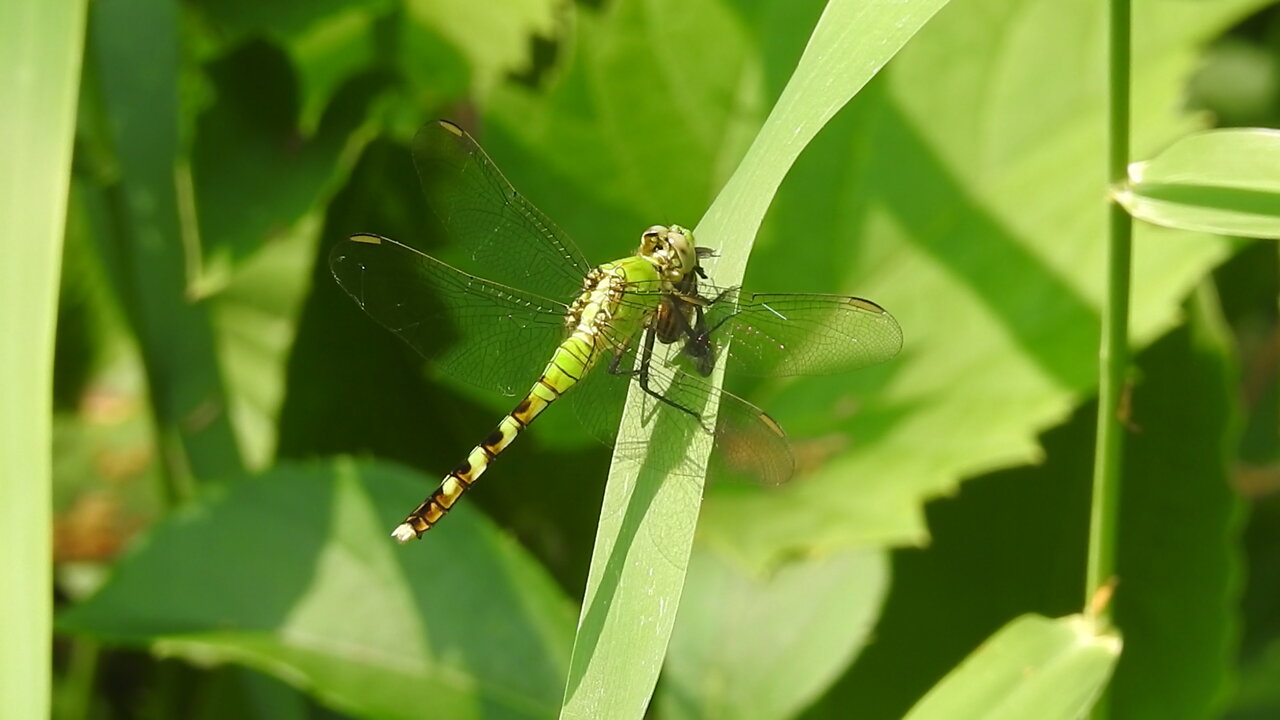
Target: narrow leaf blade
{"points": [[1220, 181], [1033, 667], [650, 511]]}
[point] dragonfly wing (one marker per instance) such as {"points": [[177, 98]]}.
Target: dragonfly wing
{"points": [[598, 400], [481, 332], [801, 333], [748, 444], [509, 239]]}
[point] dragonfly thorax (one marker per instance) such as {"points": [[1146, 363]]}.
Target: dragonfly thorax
{"points": [[671, 250]]}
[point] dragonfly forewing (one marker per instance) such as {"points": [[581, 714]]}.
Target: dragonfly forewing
{"points": [[780, 334], [484, 333], [747, 443], [510, 241]]}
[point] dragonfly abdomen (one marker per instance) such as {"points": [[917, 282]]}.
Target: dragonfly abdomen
{"points": [[571, 360], [598, 317]]}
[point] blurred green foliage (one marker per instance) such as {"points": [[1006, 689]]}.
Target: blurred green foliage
{"points": [[210, 374]]}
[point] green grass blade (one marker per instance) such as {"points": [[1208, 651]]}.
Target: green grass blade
{"points": [[650, 511], [40, 49]]}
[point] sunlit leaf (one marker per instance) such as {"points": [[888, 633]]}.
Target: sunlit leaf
{"points": [[293, 574], [1034, 667], [978, 224], [1221, 181]]}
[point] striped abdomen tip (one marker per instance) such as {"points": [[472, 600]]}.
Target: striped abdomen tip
{"points": [[404, 532]]}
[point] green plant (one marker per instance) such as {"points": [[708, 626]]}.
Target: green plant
{"points": [[212, 381]]}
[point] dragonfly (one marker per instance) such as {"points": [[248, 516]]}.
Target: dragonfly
{"points": [[543, 323]]}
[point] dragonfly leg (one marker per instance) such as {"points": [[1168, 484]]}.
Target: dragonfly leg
{"points": [[698, 346], [642, 376], [697, 337]]}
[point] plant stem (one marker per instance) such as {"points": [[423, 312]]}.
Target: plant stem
{"points": [[1114, 352]]}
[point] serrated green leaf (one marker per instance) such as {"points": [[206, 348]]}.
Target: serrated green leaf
{"points": [[496, 38], [1014, 542], [977, 224], [1220, 181], [292, 573], [1034, 667], [328, 41], [256, 177], [935, 194]]}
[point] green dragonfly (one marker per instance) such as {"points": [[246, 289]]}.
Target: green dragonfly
{"points": [[541, 299]]}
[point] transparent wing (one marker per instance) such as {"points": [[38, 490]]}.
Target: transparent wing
{"points": [[748, 444], [510, 240], [481, 332], [797, 333]]}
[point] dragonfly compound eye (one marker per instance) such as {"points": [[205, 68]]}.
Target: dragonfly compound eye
{"points": [[684, 254]]}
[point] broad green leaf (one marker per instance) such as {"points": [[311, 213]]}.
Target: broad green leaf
{"points": [[1034, 667], [978, 224], [1009, 543], [653, 143], [292, 574], [764, 647], [232, 691], [41, 45], [237, 19], [1220, 181], [1014, 542], [256, 176], [936, 193], [260, 189], [650, 509], [256, 318], [327, 41], [496, 38], [330, 53]]}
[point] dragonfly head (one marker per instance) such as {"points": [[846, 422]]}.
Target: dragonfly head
{"points": [[671, 249]]}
